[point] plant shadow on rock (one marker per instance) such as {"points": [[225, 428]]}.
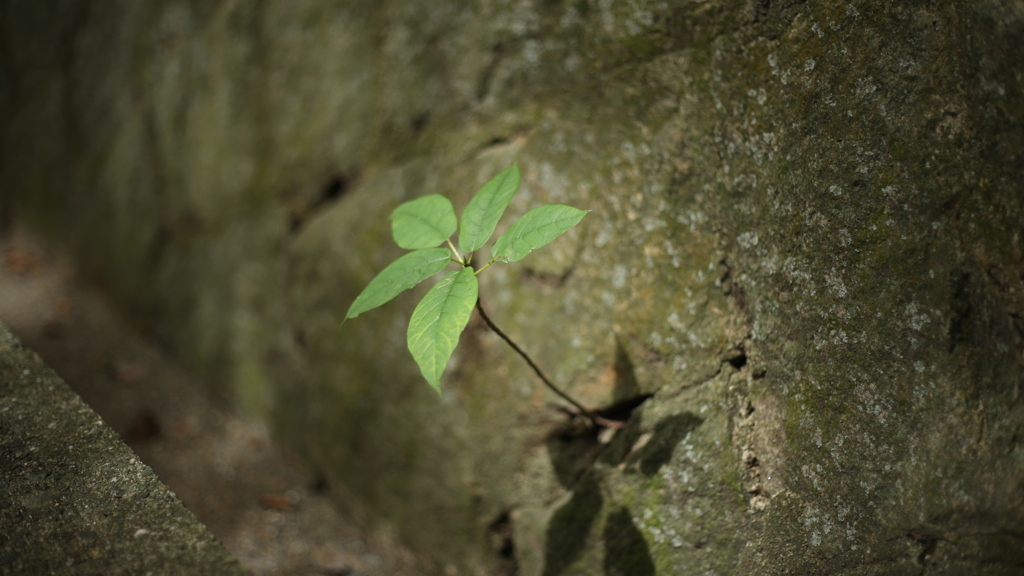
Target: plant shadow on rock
{"points": [[574, 446], [625, 550], [658, 449], [570, 526], [666, 435]]}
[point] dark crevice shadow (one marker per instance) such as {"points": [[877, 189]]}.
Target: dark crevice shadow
{"points": [[621, 410], [737, 357], [760, 9], [333, 189], [961, 321], [928, 544], [486, 81], [502, 538]]}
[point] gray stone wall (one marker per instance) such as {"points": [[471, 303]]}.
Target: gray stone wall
{"points": [[804, 257]]}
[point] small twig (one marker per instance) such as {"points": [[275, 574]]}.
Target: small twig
{"points": [[597, 420]]}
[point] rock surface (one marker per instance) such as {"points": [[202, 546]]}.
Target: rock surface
{"points": [[74, 499], [803, 263]]}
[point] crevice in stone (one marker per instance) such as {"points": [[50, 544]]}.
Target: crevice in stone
{"points": [[735, 293], [501, 536], [419, 123], [299, 337], [546, 279], [332, 190], [496, 141], [1010, 533], [737, 357], [963, 310], [320, 485], [928, 544], [512, 134], [487, 76], [622, 410], [760, 9]]}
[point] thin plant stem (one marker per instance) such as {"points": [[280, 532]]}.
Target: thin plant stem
{"points": [[458, 257], [597, 420], [484, 267]]}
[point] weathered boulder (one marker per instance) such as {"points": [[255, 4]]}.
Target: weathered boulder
{"points": [[74, 499], [803, 263]]}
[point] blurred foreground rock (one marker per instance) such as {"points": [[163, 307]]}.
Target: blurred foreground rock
{"points": [[74, 499]]}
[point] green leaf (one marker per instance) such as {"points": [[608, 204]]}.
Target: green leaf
{"points": [[535, 229], [400, 275], [438, 321], [424, 222], [485, 209]]}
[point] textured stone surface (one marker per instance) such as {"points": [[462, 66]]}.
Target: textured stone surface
{"points": [[74, 499], [805, 248]]}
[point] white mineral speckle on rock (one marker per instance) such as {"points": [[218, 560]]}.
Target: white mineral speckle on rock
{"points": [[917, 319], [608, 299], [835, 284], [619, 275], [748, 239]]}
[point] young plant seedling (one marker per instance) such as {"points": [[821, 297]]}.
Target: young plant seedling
{"points": [[425, 226]]}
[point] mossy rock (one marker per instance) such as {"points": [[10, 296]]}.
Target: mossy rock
{"points": [[802, 261]]}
